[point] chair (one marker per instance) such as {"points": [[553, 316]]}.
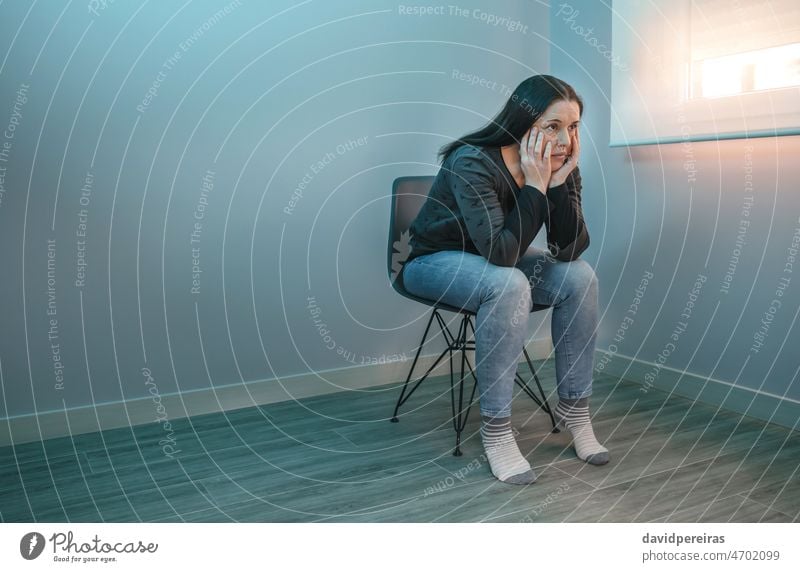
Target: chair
{"points": [[408, 196]]}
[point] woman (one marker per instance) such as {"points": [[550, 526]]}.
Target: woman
{"points": [[470, 248]]}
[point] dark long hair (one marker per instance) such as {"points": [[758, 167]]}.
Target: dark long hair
{"points": [[525, 105]]}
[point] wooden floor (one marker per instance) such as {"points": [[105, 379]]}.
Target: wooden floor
{"points": [[337, 458]]}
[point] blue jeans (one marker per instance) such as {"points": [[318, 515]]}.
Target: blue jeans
{"points": [[502, 298]]}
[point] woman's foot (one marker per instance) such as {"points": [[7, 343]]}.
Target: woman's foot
{"points": [[573, 414], [505, 459]]}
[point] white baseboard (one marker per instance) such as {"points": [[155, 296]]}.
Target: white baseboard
{"points": [[761, 405], [75, 421]]}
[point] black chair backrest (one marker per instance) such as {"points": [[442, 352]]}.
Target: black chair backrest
{"points": [[408, 196]]}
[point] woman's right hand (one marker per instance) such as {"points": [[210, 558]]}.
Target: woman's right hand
{"points": [[534, 157]]}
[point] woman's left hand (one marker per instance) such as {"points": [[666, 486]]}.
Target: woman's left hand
{"points": [[560, 175]]}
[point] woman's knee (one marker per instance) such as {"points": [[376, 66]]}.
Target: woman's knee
{"points": [[580, 276], [508, 281]]}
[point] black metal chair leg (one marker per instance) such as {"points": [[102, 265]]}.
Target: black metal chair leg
{"points": [[545, 403], [451, 345], [401, 400], [395, 419], [456, 416], [460, 417], [459, 343]]}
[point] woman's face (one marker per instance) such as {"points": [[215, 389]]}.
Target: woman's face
{"points": [[559, 124]]}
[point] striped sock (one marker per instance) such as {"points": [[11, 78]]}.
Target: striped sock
{"points": [[574, 415], [505, 460]]}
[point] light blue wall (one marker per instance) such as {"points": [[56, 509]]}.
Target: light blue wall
{"points": [[263, 93], [646, 214]]}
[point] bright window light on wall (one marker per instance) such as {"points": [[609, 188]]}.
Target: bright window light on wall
{"points": [[770, 68], [704, 70]]}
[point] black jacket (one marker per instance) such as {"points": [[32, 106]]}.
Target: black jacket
{"points": [[475, 205]]}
